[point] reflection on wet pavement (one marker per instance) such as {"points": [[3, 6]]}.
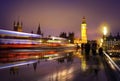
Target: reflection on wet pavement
{"points": [[49, 65]]}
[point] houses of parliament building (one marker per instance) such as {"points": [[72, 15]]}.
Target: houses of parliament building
{"points": [[18, 26]]}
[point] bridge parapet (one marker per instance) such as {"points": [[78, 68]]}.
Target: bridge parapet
{"points": [[113, 69]]}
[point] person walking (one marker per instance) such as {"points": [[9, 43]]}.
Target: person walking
{"points": [[94, 48], [100, 51], [87, 50]]}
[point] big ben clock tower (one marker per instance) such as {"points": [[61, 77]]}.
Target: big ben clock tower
{"points": [[84, 31]]}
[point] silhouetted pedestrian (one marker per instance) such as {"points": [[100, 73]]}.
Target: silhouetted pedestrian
{"points": [[82, 46], [87, 48], [100, 51], [94, 48], [78, 47]]}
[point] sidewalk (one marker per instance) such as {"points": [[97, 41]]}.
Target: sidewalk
{"points": [[94, 72]]}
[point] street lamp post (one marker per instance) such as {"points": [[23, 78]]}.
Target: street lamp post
{"points": [[105, 31]]}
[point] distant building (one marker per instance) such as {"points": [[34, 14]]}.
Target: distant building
{"points": [[113, 41], [39, 31], [17, 26], [70, 36], [63, 34]]}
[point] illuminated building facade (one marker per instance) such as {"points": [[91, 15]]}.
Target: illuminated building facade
{"points": [[113, 42], [17, 26], [84, 31]]}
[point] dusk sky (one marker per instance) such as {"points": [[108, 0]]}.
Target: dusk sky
{"points": [[57, 16]]}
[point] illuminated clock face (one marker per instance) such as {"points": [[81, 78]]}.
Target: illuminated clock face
{"points": [[83, 25]]}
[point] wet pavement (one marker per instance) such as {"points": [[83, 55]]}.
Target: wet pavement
{"points": [[50, 65]]}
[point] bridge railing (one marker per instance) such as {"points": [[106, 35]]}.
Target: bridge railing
{"points": [[114, 68]]}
